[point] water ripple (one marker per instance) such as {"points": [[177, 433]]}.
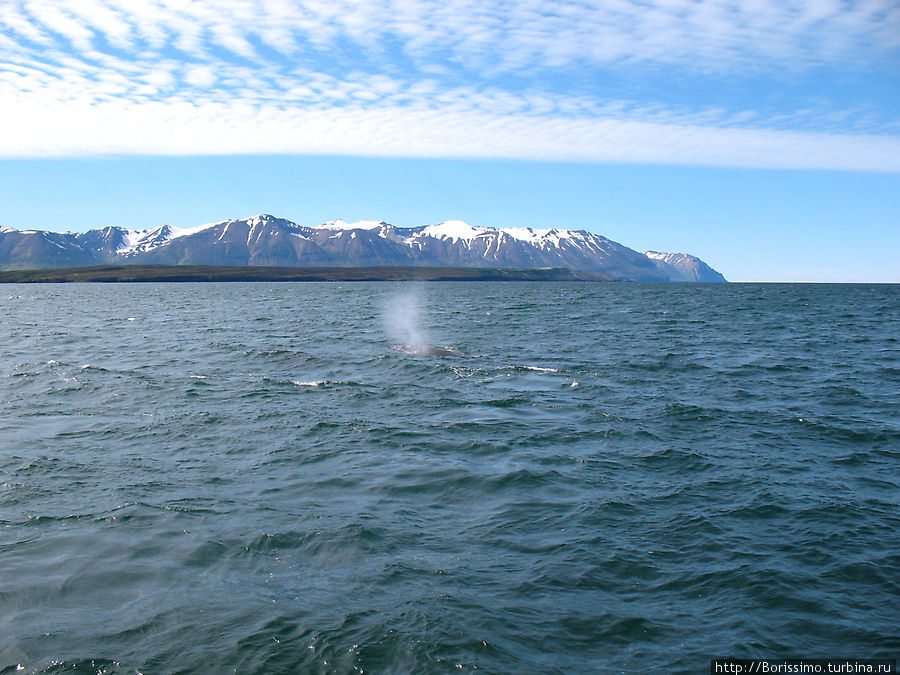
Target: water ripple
{"points": [[584, 478]]}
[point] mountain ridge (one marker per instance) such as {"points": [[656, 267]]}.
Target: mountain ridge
{"points": [[267, 241]]}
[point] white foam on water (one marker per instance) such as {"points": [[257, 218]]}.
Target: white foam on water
{"points": [[311, 383], [538, 369]]}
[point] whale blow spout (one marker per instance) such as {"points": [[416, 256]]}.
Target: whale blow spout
{"points": [[403, 320]]}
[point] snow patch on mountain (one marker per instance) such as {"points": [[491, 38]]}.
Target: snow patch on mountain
{"points": [[459, 230], [670, 258], [532, 236], [177, 232], [142, 241], [137, 241], [358, 225], [453, 230], [684, 267]]}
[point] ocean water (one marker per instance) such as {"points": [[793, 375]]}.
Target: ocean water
{"points": [[286, 478]]}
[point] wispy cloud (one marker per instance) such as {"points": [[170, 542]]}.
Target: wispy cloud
{"points": [[178, 127], [500, 34], [434, 78]]}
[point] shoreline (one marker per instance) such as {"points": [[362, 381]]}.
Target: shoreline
{"points": [[201, 273]]}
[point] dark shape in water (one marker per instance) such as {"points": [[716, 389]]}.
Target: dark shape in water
{"points": [[442, 352]]}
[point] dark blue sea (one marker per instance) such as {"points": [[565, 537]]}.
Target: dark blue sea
{"points": [[446, 477]]}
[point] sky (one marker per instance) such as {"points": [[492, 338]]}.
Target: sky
{"points": [[760, 135]]}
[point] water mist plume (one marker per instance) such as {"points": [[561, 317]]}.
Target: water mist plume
{"points": [[403, 321]]}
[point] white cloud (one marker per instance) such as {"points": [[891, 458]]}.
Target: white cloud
{"points": [[180, 127], [104, 20], [527, 33], [56, 20], [371, 77], [199, 76]]}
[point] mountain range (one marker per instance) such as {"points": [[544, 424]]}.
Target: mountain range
{"points": [[265, 240]]}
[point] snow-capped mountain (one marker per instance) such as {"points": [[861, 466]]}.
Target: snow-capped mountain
{"points": [[269, 241], [687, 267]]}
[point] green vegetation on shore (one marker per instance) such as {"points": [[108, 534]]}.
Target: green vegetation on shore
{"points": [[145, 273]]}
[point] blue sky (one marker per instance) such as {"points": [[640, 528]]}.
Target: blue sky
{"points": [[763, 136]]}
